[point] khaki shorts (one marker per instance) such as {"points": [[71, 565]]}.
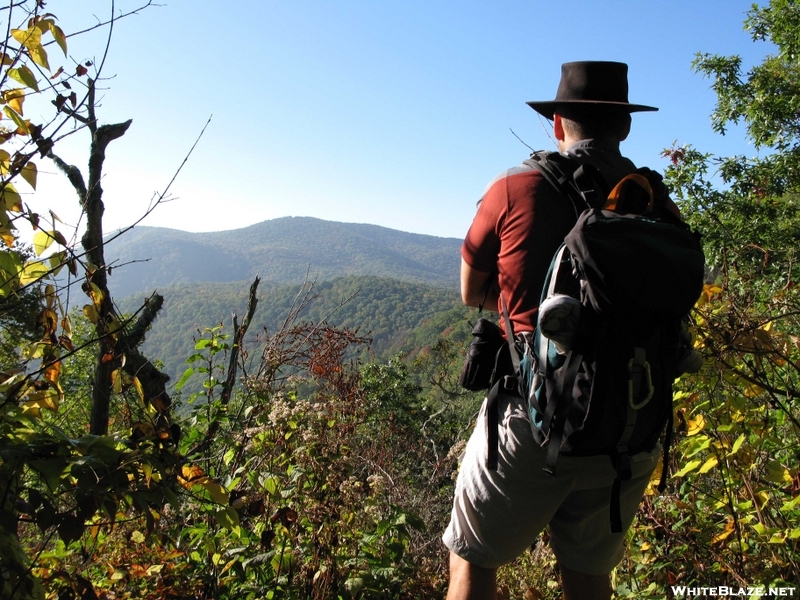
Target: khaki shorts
{"points": [[497, 515]]}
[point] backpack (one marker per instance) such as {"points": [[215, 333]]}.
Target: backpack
{"points": [[597, 372]]}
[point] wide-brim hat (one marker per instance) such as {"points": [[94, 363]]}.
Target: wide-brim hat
{"points": [[591, 83]]}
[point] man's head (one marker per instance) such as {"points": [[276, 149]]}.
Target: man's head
{"points": [[592, 101]]}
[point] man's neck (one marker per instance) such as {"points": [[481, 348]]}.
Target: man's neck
{"points": [[565, 144]]}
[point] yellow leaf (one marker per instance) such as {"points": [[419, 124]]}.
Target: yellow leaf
{"points": [[15, 98], [116, 381], [90, 312], [216, 491], [36, 350], [31, 409], [5, 59], [29, 173], [43, 399], [753, 391], [710, 290], [96, 294], [24, 76], [690, 466], [11, 198], [39, 56], [729, 529], [5, 162], [42, 240], [7, 237], [22, 35], [696, 425], [58, 36], [33, 271], [138, 385], [32, 40], [50, 295], [191, 472], [736, 445], [708, 465], [57, 261]]}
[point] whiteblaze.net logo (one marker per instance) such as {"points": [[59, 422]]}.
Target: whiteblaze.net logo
{"points": [[724, 591]]}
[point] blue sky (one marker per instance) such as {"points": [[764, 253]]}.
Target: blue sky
{"points": [[391, 113]]}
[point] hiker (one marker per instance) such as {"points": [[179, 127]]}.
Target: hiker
{"points": [[521, 220]]}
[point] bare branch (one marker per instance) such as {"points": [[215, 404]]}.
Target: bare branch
{"points": [[74, 175]]}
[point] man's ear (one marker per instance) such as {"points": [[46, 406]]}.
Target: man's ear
{"points": [[624, 133], [558, 127]]}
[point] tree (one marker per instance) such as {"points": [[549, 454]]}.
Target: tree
{"points": [[736, 502], [51, 481]]}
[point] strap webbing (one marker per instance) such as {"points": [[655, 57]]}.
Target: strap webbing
{"points": [[492, 424], [508, 384]]}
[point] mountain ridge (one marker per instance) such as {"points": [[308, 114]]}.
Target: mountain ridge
{"points": [[284, 250]]}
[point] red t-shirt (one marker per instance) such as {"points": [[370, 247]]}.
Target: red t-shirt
{"points": [[521, 222]]}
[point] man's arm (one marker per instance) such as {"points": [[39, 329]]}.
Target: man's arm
{"points": [[474, 287]]}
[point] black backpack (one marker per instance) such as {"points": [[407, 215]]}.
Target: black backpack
{"points": [[598, 371]]}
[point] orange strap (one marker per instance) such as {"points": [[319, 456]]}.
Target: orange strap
{"points": [[616, 193]]}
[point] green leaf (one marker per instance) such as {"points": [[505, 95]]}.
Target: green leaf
{"points": [[791, 504], [691, 466], [271, 485], [227, 517], [736, 445], [184, 378], [52, 469]]}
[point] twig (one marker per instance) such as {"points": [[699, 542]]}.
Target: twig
{"points": [[520, 139]]}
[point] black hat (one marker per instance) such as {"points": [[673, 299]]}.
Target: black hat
{"points": [[588, 83]]}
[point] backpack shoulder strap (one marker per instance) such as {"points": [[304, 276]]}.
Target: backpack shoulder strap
{"points": [[582, 184]]}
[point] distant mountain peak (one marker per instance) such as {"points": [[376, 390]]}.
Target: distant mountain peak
{"points": [[282, 250]]}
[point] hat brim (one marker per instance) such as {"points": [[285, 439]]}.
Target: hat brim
{"points": [[547, 108]]}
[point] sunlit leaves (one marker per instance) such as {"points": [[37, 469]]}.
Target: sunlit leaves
{"points": [[15, 99], [30, 174], [25, 76], [38, 400], [33, 271], [10, 198], [32, 39], [10, 267], [49, 24], [695, 425], [193, 475], [42, 241]]}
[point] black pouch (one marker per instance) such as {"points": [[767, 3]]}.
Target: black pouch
{"points": [[486, 342]]}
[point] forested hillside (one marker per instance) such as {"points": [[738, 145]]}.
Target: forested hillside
{"points": [[395, 315], [281, 251]]}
